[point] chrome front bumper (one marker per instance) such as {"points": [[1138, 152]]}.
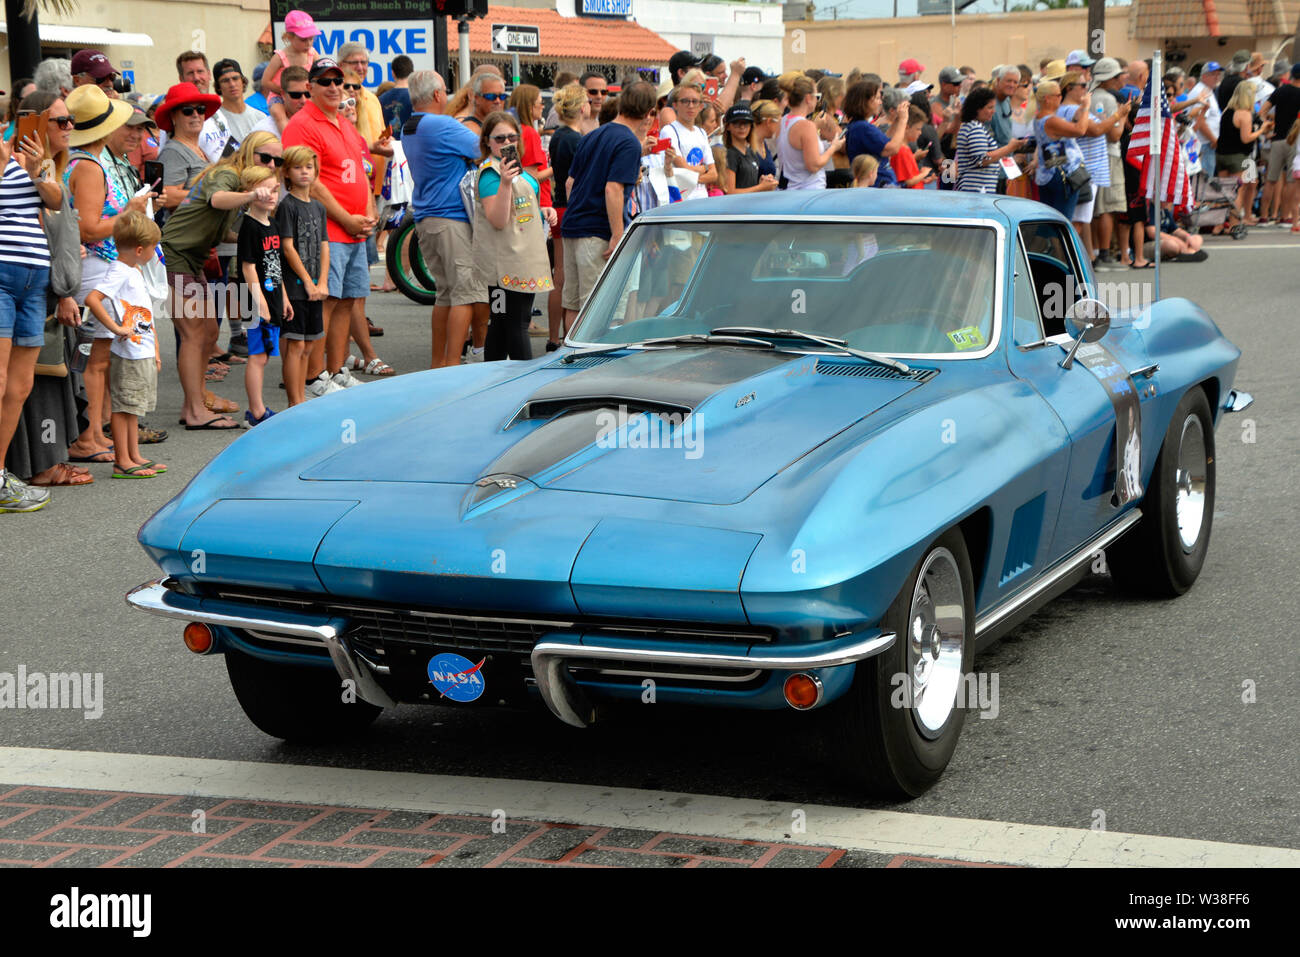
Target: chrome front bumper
{"points": [[551, 657], [157, 598]]}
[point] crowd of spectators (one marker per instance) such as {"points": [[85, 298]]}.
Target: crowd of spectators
{"points": [[255, 203]]}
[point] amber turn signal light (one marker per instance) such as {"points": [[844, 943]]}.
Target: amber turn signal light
{"points": [[802, 691], [198, 638]]}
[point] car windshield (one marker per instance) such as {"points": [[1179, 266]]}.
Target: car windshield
{"points": [[897, 289]]}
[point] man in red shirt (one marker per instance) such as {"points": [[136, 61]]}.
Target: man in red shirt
{"points": [[343, 186]]}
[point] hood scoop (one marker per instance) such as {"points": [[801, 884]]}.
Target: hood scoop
{"points": [[663, 381]]}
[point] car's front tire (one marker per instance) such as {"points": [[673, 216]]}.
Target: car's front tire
{"points": [[1163, 555], [900, 720], [296, 703]]}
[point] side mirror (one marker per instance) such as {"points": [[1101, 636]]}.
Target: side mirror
{"points": [[1092, 319]]}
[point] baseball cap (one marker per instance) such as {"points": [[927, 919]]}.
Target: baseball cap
{"points": [[300, 24], [322, 66], [1107, 68], [1240, 58], [1079, 58], [910, 66], [1214, 66], [138, 117], [92, 62], [222, 67], [753, 74], [950, 74], [681, 60], [1295, 71], [738, 114], [917, 86]]}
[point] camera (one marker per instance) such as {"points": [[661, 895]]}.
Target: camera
{"points": [[121, 84]]}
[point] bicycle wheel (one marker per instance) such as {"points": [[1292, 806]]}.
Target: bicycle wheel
{"points": [[407, 267]]}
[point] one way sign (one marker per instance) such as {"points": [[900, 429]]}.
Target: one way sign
{"points": [[515, 38]]}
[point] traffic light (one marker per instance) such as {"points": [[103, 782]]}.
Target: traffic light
{"points": [[461, 8]]}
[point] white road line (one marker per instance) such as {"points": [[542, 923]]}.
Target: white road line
{"points": [[887, 832], [1241, 245]]}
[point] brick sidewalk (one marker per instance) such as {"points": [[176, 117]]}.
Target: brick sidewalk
{"points": [[49, 827]]}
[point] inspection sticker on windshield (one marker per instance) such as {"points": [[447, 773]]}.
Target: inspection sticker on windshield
{"points": [[968, 337], [457, 678]]}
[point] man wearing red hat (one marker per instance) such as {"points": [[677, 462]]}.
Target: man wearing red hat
{"points": [[92, 67], [909, 71]]}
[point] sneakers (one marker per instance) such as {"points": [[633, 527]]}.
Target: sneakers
{"points": [[252, 420], [239, 345], [321, 385], [474, 355], [17, 496]]}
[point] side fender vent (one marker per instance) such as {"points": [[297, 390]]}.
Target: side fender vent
{"points": [[867, 370], [1022, 543]]}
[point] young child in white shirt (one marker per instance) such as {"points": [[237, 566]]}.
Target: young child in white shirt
{"points": [[122, 305]]}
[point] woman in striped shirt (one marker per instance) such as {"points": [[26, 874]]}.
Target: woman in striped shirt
{"points": [[978, 153], [26, 188]]}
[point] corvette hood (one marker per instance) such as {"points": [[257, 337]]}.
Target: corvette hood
{"points": [[705, 425]]}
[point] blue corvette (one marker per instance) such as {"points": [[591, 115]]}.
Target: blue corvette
{"points": [[803, 450]]}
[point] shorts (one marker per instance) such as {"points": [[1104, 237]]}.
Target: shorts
{"points": [[349, 273], [1279, 160], [308, 322], [22, 304], [1083, 207], [1231, 163], [132, 384], [583, 263], [1112, 198], [189, 294], [263, 338], [447, 246]]}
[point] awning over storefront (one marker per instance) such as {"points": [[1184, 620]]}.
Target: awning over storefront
{"points": [[571, 38], [1215, 18], [65, 35]]}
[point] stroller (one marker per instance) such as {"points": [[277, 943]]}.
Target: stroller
{"points": [[1215, 198]]}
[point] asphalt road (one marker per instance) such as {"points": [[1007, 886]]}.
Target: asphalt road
{"points": [[1131, 708]]}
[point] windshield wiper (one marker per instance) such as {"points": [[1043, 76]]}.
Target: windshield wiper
{"points": [[694, 338], [822, 340]]}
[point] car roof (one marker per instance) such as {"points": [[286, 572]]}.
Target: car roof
{"points": [[920, 203]]}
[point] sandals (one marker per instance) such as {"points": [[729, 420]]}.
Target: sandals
{"points": [[93, 458], [378, 366], [229, 359], [65, 474], [352, 363], [211, 425], [155, 467], [214, 403], [135, 472]]}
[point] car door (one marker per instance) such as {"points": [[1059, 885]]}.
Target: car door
{"points": [[1048, 254]]}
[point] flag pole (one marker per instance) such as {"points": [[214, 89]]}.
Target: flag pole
{"points": [[1156, 180]]}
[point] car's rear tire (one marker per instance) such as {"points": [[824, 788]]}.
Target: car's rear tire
{"points": [[895, 736], [1162, 556], [294, 702]]}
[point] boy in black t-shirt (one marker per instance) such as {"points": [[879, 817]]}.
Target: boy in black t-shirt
{"points": [[261, 271], [305, 248]]}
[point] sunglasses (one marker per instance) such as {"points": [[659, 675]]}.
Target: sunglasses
{"points": [[295, 96], [330, 80], [268, 159], [494, 96], [505, 138], [188, 110], [352, 86], [64, 122], [598, 92]]}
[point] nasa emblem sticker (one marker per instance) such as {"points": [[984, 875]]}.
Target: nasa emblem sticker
{"points": [[456, 677]]}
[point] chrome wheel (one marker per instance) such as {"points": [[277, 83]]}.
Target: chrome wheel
{"points": [[936, 642], [1190, 480]]}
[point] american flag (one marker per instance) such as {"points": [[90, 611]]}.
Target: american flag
{"points": [[1173, 164]]}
